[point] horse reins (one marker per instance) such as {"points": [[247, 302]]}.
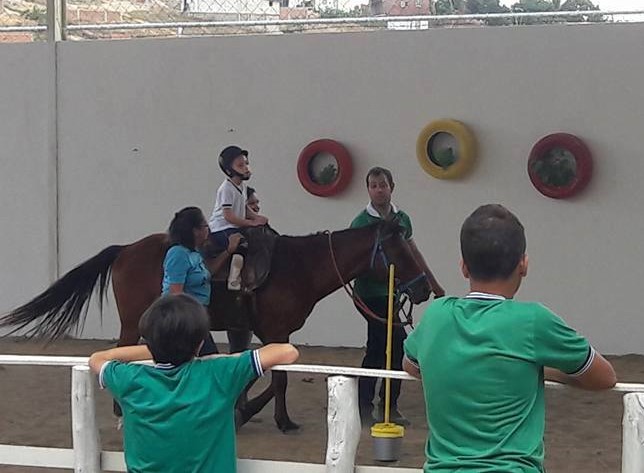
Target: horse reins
{"points": [[352, 293]]}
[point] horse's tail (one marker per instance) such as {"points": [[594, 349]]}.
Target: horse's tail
{"points": [[63, 306]]}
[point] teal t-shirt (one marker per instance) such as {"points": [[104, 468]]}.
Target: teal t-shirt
{"points": [[481, 361], [365, 286], [180, 419], [185, 266]]}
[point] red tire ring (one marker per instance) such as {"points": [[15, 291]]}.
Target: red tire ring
{"points": [[583, 159], [343, 159]]}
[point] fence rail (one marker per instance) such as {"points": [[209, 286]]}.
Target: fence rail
{"points": [[47, 360], [343, 425], [89, 19]]}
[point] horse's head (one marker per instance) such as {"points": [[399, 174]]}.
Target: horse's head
{"points": [[391, 247]]}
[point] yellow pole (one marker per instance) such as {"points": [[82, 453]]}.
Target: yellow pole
{"points": [[390, 322]]}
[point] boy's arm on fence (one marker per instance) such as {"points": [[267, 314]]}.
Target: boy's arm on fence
{"points": [[598, 374], [411, 367], [125, 354], [277, 354]]}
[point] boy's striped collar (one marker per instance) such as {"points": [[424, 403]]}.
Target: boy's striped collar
{"points": [[485, 295]]}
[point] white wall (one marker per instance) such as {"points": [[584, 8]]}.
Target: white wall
{"points": [[27, 220], [178, 102]]}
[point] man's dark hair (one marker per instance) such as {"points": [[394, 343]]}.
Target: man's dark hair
{"points": [[378, 171], [492, 243], [173, 327], [183, 224]]}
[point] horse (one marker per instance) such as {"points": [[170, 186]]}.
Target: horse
{"points": [[304, 270]]}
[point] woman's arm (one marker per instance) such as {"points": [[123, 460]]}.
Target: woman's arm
{"points": [[215, 264], [176, 288]]}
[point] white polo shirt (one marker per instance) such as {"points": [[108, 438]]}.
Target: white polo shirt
{"points": [[229, 196]]}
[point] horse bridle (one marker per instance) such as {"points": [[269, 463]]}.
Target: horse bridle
{"points": [[402, 291]]}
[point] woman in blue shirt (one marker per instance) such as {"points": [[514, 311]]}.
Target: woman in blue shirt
{"points": [[184, 270]]}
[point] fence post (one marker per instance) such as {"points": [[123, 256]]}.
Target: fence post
{"points": [[633, 433], [85, 437], [343, 421], [56, 20]]}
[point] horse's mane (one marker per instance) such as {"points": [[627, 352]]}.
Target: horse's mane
{"points": [[306, 244]]}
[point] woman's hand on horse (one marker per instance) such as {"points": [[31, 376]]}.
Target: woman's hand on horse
{"points": [[233, 242]]}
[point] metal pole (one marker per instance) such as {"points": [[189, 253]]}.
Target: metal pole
{"points": [[56, 20], [390, 327]]}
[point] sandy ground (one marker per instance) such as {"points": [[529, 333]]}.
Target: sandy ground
{"points": [[583, 429]]}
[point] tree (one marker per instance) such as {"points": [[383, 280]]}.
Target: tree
{"points": [[578, 5], [533, 6], [485, 6], [443, 7], [529, 6]]}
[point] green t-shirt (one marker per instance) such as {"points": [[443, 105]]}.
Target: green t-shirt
{"points": [[365, 286], [180, 419], [481, 359]]}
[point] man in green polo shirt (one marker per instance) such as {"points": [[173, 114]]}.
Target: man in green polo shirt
{"points": [[380, 185], [178, 415], [482, 358]]}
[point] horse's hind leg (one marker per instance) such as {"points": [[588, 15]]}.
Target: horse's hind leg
{"points": [[253, 406], [279, 383]]}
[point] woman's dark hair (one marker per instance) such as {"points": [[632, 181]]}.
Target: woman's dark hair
{"points": [[173, 327], [378, 171], [182, 226], [492, 243]]}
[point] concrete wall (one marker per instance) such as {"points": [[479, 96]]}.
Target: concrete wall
{"points": [[141, 123], [27, 180]]}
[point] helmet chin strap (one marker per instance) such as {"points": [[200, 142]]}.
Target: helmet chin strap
{"points": [[233, 173]]}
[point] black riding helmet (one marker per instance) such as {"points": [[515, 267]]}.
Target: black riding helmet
{"points": [[226, 158]]}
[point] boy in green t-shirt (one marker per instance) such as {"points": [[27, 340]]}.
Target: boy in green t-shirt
{"points": [[483, 358], [178, 415]]}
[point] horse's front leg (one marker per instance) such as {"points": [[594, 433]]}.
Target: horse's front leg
{"points": [[279, 382]]}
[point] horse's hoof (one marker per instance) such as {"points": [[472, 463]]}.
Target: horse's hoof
{"points": [[287, 426]]}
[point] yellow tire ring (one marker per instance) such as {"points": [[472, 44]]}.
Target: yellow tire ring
{"points": [[466, 149]]}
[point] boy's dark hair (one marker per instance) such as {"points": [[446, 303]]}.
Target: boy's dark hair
{"points": [[249, 192], [182, 225], [492, 243], [378, 171], [173, 327]]}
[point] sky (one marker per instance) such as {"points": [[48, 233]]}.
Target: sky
{"points": [[606, 4]]}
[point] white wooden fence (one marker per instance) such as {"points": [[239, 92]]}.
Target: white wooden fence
{"points": [[344, 426]]}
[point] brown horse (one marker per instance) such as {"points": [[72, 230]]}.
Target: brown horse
{"points": [[303, 271]]}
